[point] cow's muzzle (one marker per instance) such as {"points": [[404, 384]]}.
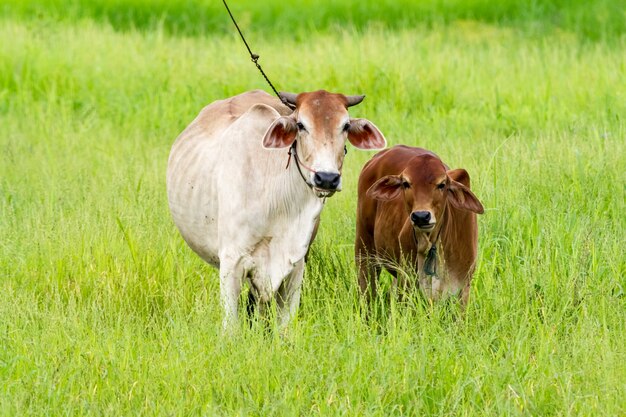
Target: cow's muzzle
{"points": [[423, 220], [326, 182]]}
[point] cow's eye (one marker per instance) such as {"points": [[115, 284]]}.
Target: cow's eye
{"points": [[406, 184], [346, 127], [441, 186], [300, 126]]}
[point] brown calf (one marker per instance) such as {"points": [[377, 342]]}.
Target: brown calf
{"points": [[413, 211]]}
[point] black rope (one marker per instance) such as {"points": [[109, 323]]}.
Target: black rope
{"points": [[294, 153], [255, 58], [430, 263]]}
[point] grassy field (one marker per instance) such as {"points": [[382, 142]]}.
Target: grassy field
{"points": [[105, 311]]}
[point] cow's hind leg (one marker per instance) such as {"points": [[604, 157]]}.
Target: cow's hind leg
{"points": [[288, 295], [251, 304], [256, 308]]}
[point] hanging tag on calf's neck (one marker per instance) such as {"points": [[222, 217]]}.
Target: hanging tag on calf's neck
{"points": [[430, 263]]}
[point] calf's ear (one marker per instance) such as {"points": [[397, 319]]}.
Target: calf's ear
{"points": [[459, 195], [386, 189], [363, 134], [460, 175], [281, 133]]}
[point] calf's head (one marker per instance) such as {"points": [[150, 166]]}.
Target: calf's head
{"points": [[426, 188], [320, 126]]}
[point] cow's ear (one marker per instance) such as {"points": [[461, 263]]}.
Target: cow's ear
{"points": [[459, 195], [363, 134], [386, 189], [281, 133]]}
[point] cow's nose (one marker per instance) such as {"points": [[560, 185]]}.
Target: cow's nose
{"points": [[326, 180], [420, 218]]}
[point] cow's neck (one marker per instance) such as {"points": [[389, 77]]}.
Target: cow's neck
{"points": [[291, 193]]}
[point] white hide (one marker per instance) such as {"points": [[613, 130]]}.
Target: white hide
{"points": [[236, 204]]}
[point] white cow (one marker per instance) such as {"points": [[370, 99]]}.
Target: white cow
{"points": [[246, 183]]}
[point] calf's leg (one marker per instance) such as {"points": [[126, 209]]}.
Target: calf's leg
{"points": [[465, 293], [368, 273]]}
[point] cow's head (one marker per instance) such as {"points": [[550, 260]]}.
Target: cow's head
{"points": [[426, 187], [320, 126]]}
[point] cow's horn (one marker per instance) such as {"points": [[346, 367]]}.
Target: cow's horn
{"points": [[354, 100], [288, 97]]}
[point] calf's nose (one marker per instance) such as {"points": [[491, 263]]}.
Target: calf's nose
{"points": [[326, 180], [420, 218]]}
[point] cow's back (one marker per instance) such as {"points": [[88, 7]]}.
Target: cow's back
{"points": [[198, 155]]}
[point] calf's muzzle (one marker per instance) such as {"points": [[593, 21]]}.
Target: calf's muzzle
{"points": [[421, 219]]}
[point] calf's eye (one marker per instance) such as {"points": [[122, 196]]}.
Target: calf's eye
{"points": [[346, 127], [300, 126], [406, 184], [441, 186]]}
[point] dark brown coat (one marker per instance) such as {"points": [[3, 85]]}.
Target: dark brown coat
{"points": [[408, 199]]}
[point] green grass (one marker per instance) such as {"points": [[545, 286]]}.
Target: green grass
{"points": [[105, 311], [589, 20]]}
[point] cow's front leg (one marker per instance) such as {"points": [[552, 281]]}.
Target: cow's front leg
{"points": [[288, 295], [231, 277]]}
